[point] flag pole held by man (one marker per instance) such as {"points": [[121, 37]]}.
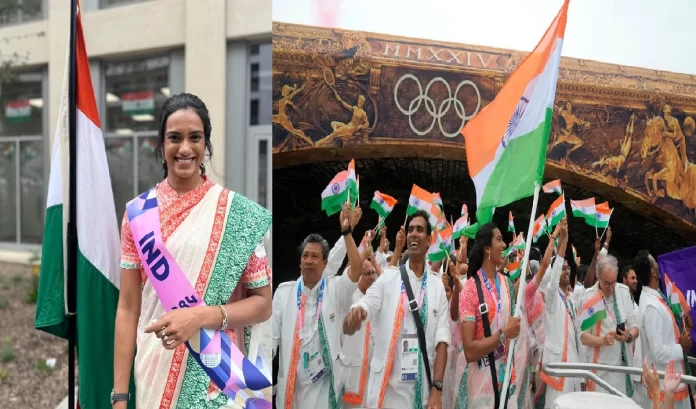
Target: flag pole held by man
{"points": [[506, 142], [95, 274]]}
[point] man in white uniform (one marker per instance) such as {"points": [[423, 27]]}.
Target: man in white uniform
{"points": [[561, 333], [661, 341], [398, 378], [356, 363], [307, 317], [629, 279], [610, 341]]}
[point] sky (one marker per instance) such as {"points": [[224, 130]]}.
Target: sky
{"points": [[655, 34]]}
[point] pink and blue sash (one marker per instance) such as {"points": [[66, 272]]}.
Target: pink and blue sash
{"points": [[235, 375]]}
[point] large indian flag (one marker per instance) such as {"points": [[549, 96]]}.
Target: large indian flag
{"points": [[98, 241], [506, 142], [592, 312]]}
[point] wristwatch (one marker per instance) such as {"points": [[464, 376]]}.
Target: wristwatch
{"points": [[437, 385], [630, 338], [118, 397], [502, 336]]}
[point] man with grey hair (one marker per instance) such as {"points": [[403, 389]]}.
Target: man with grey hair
{"points": [[609, 341], [307, 318]]}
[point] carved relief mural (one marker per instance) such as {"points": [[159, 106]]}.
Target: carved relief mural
{"points": [[626, 127]]}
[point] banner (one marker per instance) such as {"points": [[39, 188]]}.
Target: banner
{"points": [[680, 267]]}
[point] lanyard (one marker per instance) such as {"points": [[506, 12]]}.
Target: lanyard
{"points": [[611, 311], [496, 296], [404, 297], [565, 302], [301, 298], [572, 319]]}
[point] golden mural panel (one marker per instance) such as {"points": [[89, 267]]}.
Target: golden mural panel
{"points": [[627, 127]]}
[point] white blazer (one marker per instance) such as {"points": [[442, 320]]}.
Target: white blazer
{"points": [[381, 302], [353, 354], [556, 336], [337, 300]]}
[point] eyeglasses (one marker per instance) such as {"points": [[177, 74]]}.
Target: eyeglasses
{"points": [[608, 284]]}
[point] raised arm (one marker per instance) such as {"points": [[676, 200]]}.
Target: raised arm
{"points": [[551, 290]]}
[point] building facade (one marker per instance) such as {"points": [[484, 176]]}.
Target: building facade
{"points": [[141, 52]]}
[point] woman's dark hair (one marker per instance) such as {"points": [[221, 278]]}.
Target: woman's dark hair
{"points": [[178, 102], [643, 268], [484, 237]]}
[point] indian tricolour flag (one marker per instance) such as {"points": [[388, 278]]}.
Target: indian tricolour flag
{"points": [[436, 251], [98, 240], [341, 187], [465, 210], [514, 268], [539, 228], [585, 209], [603, 214], [506, 142], [18, 112], [556, 211], [553, 186], [138, 103], [383, 204], [518, 245], [592, 312], [672, 293], [459, 227], [511, 222], [421, 199]]}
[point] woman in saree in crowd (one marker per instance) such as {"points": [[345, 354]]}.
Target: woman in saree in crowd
{"points": [[216, 241], [456, 362], [499, 294]]}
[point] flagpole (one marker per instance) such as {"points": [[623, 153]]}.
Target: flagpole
{"points": [[520, 295], [71, 276], [605, 229]]}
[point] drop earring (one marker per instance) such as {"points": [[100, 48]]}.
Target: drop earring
{"points": [[489, 255]]}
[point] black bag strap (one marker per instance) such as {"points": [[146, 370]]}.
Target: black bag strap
{"points": [[413, 306], [483, 309]]}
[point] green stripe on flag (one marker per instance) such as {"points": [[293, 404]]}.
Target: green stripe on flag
{"points": [[379, 209], [97, 301], [50, 303], [593, 319], [520, 165]]}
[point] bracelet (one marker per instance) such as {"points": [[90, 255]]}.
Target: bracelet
{"points": [[347, 231], [224, 318]]}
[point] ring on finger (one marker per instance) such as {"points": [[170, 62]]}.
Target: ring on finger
{"points": [[165, 337], [162, 332]]}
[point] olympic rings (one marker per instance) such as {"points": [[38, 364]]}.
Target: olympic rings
{"points": [[444, 107]]}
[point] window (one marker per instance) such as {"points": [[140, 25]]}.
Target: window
{"points": [[22, 183], [20, 11], [22, 106], [260, 84], [135, 93], [110, 3]]}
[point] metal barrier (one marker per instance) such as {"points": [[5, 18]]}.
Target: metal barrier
{"points": [[584, 370]]}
